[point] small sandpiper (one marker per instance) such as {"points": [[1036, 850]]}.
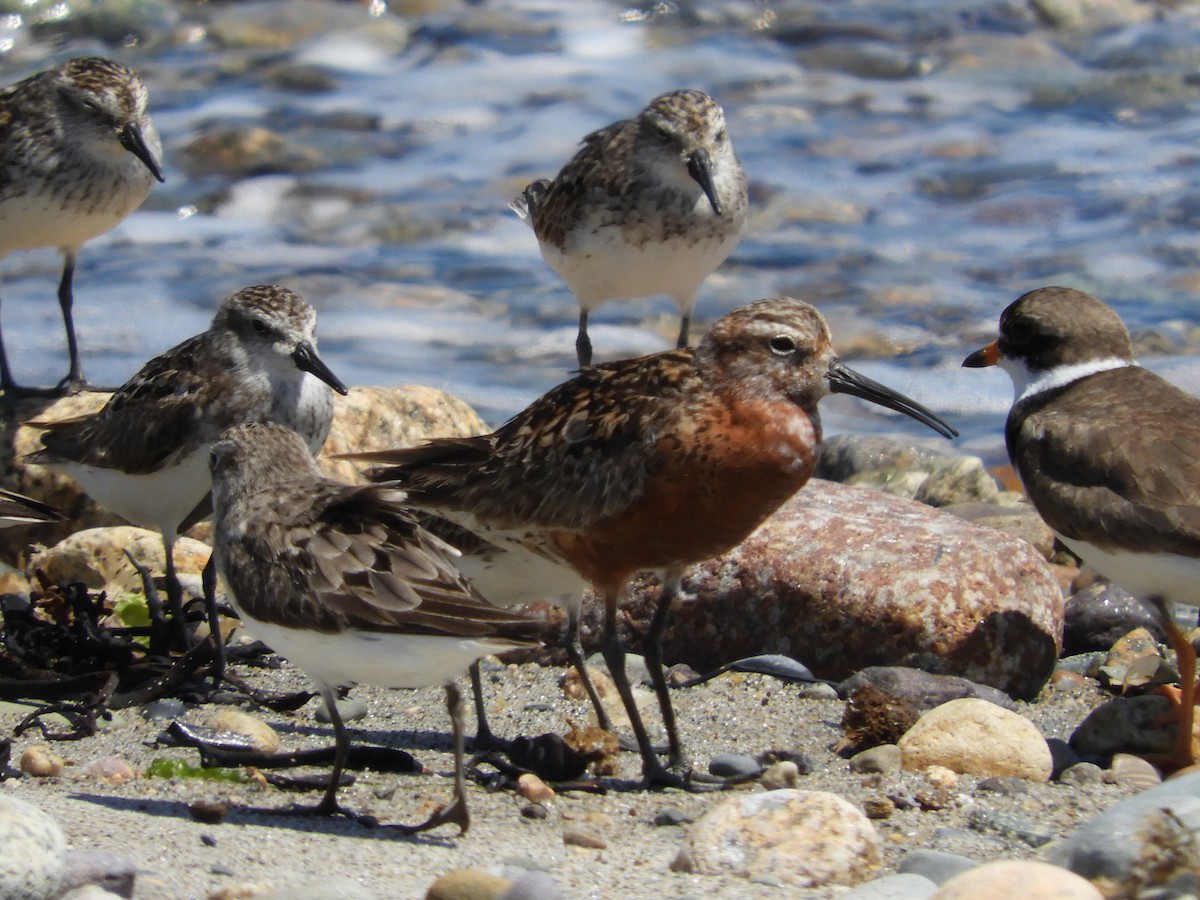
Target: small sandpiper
{"points": [[649, 205], [145, 454], [78, 154], [344, 582]]}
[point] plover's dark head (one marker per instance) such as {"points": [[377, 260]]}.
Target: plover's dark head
{"points": [[1052, 336], [276, 324]]}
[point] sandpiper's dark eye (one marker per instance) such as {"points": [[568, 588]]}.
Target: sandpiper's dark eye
{"points": [[259, 326], [663, 133], [722, 135], [782, 345]]}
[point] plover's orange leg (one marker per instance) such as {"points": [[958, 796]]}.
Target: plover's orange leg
{"points": [[1183, 710]]}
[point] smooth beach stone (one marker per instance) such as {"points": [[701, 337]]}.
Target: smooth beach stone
{"points": [[1160, 824], [974, 737], [936, 865], [802, 838], [923, 690], [33, 864], [1006, 879], [845, 578], [1125, 724], [467, 884], [262, 736], [893, 887]]}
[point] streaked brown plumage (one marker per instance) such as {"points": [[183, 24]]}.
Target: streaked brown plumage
{"points": [[651, 463], [1107, 452], [344, 582]]}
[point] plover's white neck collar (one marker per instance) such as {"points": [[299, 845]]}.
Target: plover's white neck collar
{"points": [[1029, 383]]}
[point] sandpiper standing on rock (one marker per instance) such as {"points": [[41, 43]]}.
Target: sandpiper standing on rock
{"points": [[78, 153], [1107, 452], [649, 205], [654, 463], [145, 454], [344, 582]]}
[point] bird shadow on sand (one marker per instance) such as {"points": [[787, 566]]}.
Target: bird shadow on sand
{"points": [[334, 826]]}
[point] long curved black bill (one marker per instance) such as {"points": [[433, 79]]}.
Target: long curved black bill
{"points": [[306, 360], [844, 380], [132, 140], [699, 166]]}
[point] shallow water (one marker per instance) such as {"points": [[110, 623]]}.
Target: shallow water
{"points": [[914, 168]]}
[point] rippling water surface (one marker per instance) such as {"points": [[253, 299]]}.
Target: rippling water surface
{"points": [[914, 167]]}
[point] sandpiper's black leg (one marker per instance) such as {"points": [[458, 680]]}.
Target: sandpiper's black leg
{"points": [[575, 655], [685, 322], [583, 344], [652, 649], [208, 578]]}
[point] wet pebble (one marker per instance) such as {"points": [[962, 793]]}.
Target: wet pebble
{"points": [[803, 838], [33, 864], [1005, 879], [1010, 825], [734, 765], [977, 738], [210, 812]]}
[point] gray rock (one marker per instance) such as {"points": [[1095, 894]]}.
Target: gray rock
{"points": [[734, 765], [1125, 724], [1099, 615], [936, 865], [1162, 823], [845, 455], [924, 690], [166, 708], [1062, 757], [1081, 774], [817, 691], [671, 816], [883, 760], [893, 887], [110, 871], [1011, 825], [351, 709], [33, 864]]}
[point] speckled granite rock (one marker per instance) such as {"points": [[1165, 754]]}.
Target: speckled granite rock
{"points": [[33, 864], [800, 838], [96, 556], [843, 578], [977, 738]]}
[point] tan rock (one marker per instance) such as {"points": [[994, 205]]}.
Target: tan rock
{"points": [[802, 838], [975, 737], [534, 789], [467, 884], [96, 557], [1006, 879], [41, 762], [780, 775], [377, 418], [261, 735]]}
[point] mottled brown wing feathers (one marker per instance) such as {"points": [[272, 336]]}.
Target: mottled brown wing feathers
{"points": [[577, 455], [1128, 479], [146, 423], [361, 561]]}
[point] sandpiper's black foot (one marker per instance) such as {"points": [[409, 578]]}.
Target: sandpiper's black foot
{"points": [[659, 777], [455, 813], [485, 741]]}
